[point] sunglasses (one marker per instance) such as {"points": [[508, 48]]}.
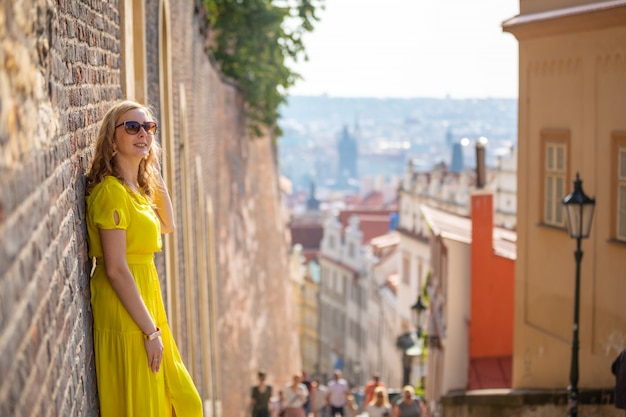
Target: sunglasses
{"points": [[132, 127]]}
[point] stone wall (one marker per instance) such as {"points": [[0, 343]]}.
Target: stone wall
{"points": [[57, 78], [255, 323], [527, 403], [60, 70]]}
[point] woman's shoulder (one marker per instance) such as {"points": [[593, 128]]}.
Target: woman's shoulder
{"points": [[109, 184], [108, 191]]}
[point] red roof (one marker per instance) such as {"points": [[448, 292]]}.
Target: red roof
{"points": [[308, 235], [373, 223]]}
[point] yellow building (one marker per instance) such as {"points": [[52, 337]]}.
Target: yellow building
{"points": [[572, 119], [305, 283]]}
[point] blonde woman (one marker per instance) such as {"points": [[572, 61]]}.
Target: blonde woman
{"points": [[408, 405], [351, 409], [139, 371], [379, 406]]}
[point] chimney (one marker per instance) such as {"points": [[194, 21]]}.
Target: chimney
{"points": [[481, 173]]}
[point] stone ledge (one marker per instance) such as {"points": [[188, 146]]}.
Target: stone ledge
{"points": [[522, 397]]}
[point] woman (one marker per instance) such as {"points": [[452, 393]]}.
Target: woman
{"points": [[351, 409], [295, 395], [379, 406], [260, 397], [138, 368], [408, 405]]}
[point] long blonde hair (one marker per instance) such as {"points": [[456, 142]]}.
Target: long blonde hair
{"points": [[103, 163], [380, 390]]}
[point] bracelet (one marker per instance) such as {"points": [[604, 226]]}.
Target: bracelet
{"points": [[153, 335]]}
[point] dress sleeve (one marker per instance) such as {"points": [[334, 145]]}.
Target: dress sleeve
{"points": [[106, 201]]}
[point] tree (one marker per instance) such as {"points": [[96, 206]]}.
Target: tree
{"points": [[251, 41]]}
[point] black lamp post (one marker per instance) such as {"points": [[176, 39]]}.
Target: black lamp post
{"points": [[419, 308], [579, 213]]}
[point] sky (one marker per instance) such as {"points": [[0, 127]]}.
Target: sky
{"points": [[411, 48]]}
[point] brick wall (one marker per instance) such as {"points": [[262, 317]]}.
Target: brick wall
{"points": [[256, 326], [55, 85]]}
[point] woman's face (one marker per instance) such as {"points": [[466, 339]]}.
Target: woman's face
{"points": [[129, 144], [380, 398]]}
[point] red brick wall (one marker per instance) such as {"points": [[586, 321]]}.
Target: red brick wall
{"points": [[56, 85]]}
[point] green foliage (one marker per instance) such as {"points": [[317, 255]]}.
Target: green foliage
{"points": [[251, 41], [425, 289]]}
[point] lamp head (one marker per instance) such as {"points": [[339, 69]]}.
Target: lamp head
{"points": [[578, 211]]}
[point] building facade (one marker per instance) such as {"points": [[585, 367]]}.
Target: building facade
{"points": [[572, 119]]}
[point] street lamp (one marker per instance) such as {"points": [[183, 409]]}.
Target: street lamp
{"points": [[579, 213], [418, 308]]}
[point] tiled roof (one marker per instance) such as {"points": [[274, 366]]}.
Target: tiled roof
{"points": [[309, 236], [385, 246], [459, 228], [373, 223], [450, 226], [505, 243], [389, 239]]}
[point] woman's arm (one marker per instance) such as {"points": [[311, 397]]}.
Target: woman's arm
{"points": [[114, 251], [164, 209]]}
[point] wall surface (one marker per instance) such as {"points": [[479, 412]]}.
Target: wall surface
{"points": [[574, 82], [526, 403], [58, 75], [492, 282]]}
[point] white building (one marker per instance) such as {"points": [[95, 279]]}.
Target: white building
{"points": [[357, 319]]}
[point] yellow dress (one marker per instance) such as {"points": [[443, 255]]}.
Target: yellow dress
{"points": [[126, 384]]}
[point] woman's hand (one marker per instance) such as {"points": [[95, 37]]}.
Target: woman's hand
{"points": [[154, 350]]}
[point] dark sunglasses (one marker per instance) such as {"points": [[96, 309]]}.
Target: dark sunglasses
{"points": [[132, 127]]}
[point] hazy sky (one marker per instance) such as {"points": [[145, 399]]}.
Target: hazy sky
{"points": [[411, 48]]}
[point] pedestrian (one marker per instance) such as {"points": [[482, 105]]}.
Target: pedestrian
{"points": [[260, 397], [318, 399], [277, 403], [295, 395], [338, 392], [139, 371], [379, 406], [408, 405], [307, 382], [351, 409], [618, 368], [370, 387]]}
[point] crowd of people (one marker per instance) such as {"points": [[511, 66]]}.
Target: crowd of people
{"points": [[304, 397]]}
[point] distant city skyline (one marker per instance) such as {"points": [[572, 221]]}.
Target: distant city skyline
{"points": [[409, 48]]}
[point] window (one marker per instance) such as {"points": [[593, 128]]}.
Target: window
{"points": [[555, 161], [619, 190]]}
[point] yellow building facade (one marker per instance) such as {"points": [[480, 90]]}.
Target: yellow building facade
{"points": [[572, 119]]}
